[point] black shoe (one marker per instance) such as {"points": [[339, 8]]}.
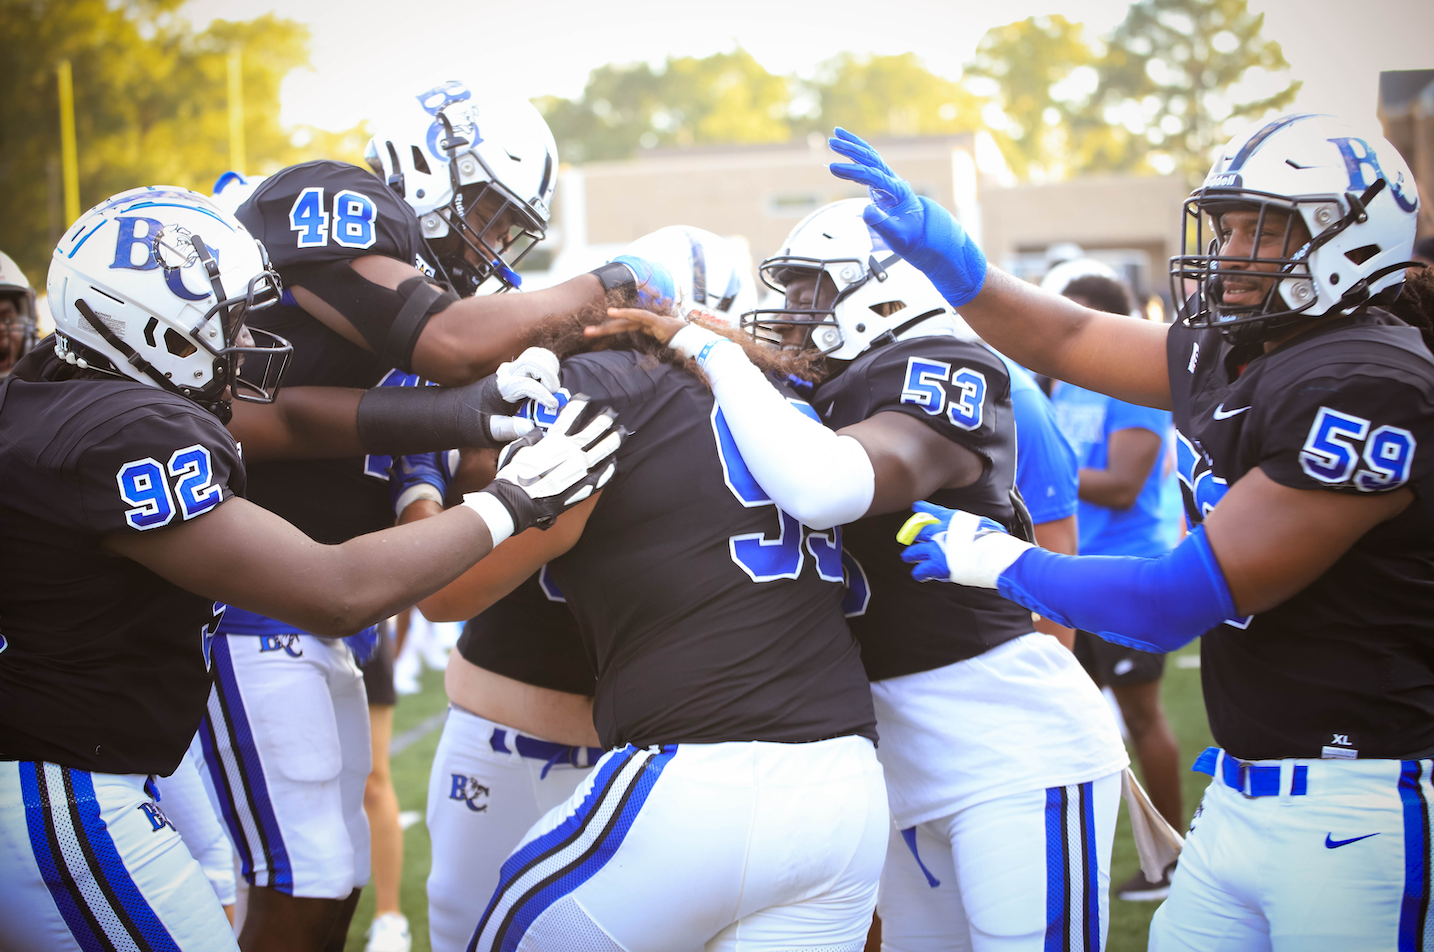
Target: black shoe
{"points": [[1140, 889]]}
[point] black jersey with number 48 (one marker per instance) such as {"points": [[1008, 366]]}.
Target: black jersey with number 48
{"points": [[708, 614], [1344, 668], [313, 219], [103, 664], [962, 391]]}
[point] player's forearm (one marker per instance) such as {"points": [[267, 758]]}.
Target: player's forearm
{"points": [[1103, 487], [468, 339], [1109, 353], [817, 476], [374, 576], [303, 423]]}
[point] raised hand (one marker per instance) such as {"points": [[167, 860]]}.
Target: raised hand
{"points": [[915, 227]]}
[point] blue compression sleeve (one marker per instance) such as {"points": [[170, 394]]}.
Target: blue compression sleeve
{"points": [[1151, 604]]}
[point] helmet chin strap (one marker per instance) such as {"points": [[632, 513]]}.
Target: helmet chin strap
{"points": [[218, 408]]}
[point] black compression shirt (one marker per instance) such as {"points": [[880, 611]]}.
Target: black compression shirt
{"points": [[1346, 666], [707, 614], [312, 217], [531, 636], [103, 665], [962, 391]]}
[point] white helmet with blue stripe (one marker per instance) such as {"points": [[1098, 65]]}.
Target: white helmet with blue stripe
{"points": [[712, 274], [154, 284], [450, 149]]}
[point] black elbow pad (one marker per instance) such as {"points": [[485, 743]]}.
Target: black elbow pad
{"points": [[389, 319]]}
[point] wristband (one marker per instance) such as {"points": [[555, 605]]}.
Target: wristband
{"points": [[494, 512], [414, 493]]}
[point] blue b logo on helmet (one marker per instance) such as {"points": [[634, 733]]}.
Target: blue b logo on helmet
{"points": [[1358, 156]]}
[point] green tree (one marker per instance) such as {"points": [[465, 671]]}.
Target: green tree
{"points": [[725, 97], [1041, 71], [151, 105], [889, 95], [1178, 75]]}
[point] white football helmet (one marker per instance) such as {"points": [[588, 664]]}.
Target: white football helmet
{"points": [[1356, 197], [144, 286], [233, 189], [17, 334], [713, 275], [879, 296], [448, 150]]}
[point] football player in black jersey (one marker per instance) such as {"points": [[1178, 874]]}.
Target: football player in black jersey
{"points": [[740, 797], [124, 522], [520, 737], [17, 315], [1303, 405], [383, 268], [994, 740]]}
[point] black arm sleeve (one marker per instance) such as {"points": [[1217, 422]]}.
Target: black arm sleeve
{"points": [[390, 320], [401, 420]]}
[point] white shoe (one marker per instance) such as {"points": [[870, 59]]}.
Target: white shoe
{"points": [[389, 933]]}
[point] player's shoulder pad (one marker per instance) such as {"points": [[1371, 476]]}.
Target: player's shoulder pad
{"points": [[324, 210], [936, 356], [615, 377], [130, 414]]}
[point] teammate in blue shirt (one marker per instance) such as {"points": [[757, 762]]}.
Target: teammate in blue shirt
{"points": [[1122, 449], [1045, 475]]}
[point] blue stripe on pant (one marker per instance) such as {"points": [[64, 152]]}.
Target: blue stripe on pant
{"points": [[98, 867], [1414, 907], [538, 898], [1092, 870], [1061, 935], [248, 792], [113, 868], [61, 885]]}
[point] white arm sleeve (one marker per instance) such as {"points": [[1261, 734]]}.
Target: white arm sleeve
{"points": [[813, 474]]}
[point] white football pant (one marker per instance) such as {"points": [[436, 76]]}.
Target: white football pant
{"points": [[1026, 872], [739, 846], [486, 790], [89, 862], [1334, 858]]}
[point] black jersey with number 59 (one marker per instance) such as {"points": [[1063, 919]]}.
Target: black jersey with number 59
{"points": [[1344, 668], [103, 664], [709, 614]]}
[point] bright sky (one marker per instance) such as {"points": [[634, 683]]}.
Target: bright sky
{"points": [[366, 49]]}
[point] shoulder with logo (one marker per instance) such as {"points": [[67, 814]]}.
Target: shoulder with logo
{"points": [[323, 211]]}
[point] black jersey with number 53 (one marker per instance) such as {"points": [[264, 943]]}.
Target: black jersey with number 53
{"points": [[103, 664], [963, 392], [1345, 667], [708, 614]]}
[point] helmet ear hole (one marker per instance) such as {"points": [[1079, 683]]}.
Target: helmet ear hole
{"points": [[149, 332], [888, 308], [1362, 254], [176, 344], [419, 162]]}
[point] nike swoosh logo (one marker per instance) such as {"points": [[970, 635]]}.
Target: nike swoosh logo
{"points": [[1222, 414], [1333, 844]]}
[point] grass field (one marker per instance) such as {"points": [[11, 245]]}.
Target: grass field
{"points": [[1129, 921]]}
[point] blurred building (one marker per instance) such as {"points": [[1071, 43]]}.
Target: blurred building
{"points": [[757, 193], [1406, 110]]}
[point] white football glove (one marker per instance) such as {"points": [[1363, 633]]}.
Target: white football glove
{"points": [[955, 546], [540, 476], [533, 376]]}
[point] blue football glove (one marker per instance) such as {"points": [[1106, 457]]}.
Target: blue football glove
{"points": [[918, 229], [655, 287], [364, 644], [949, 545], [420, 476]]}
